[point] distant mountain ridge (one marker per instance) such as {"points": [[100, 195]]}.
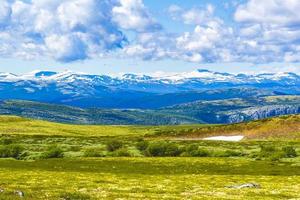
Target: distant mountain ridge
{"points": [[199, 76], [142, 91]]}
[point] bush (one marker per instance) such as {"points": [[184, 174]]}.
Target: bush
{"points": [[6, 141], [53, 152], [172, 150], [93, 152], [75, 196], [192, 148], [289, 152], [24, 155], [162, 149], [201, 153], [122, 153], [267, 151], [114, 145], [142, 145], [194, 151], [156, 149], [11, 151], [227, 153], [274, 154]]}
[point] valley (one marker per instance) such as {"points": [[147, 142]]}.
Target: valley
{"points": [[232, 110]]}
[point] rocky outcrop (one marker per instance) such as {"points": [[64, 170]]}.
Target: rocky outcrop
{"points": [[255, 113]]}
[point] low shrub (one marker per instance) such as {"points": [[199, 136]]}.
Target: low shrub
{"points": [[11, 151], [156, 149], [289, 152], [142, 145], [75, 148], [6, 141], [201, 153], [93, 152], [194, 151], [172, 150], [123, 152], [74, 196], [231, 153], [53, 152], [267, 151], [275, 154], [192, 148], [114, 145], [24, 155], [163, 149]]}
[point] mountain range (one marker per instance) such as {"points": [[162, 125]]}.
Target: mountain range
{"points": [[200, 96], [141, 91]]}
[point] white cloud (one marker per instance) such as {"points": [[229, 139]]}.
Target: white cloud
{"points": [[152, 46], [174, 10], [269, 30], [5, 12], [276, 12], [194, 15], [66, 47], [132, 15], [69, 30], [206, 43]]}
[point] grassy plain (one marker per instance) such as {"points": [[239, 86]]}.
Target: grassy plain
{"points": [[149, 178], [136, 175]]}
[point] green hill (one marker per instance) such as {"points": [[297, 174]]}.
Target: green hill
{"points": [[276, 128], [284, 128], [204, 112], [74, 115]]}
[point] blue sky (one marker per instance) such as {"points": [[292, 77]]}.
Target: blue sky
{"points": [[144, 36]]}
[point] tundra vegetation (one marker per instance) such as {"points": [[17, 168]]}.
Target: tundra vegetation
{"points": [[48, 160]]}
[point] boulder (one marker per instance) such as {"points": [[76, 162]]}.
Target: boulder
{"points": [[245, 185]]}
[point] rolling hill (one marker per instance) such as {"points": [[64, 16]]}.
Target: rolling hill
{"points": [[277, 128], [232, 110]]}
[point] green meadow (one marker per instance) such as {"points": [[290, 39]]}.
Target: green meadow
{"points": [[46, 160]]}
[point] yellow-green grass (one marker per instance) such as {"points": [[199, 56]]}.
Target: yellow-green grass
{"points": [[13, 125], [283, 128], [149, 178], [276, 128], [146, 177]]}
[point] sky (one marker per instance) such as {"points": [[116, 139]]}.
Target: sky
{"points": [[147, 36]]}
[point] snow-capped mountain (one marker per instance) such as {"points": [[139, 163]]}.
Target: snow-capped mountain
{"points": [[201, 76], [86, 90]]}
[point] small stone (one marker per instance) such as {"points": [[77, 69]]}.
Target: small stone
{"points": [[246, 185], [1, 190], [19, 193]]}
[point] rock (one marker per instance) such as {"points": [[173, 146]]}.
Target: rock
{"points": [[19, 193], [246, 185], [1, 190]]}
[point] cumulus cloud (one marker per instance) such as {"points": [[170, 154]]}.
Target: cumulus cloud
{"points": [[193, 16], [152, 46], [208, 42], [132, 15], [69, 30], [269, 30], [274, 12], [5, 12]]}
